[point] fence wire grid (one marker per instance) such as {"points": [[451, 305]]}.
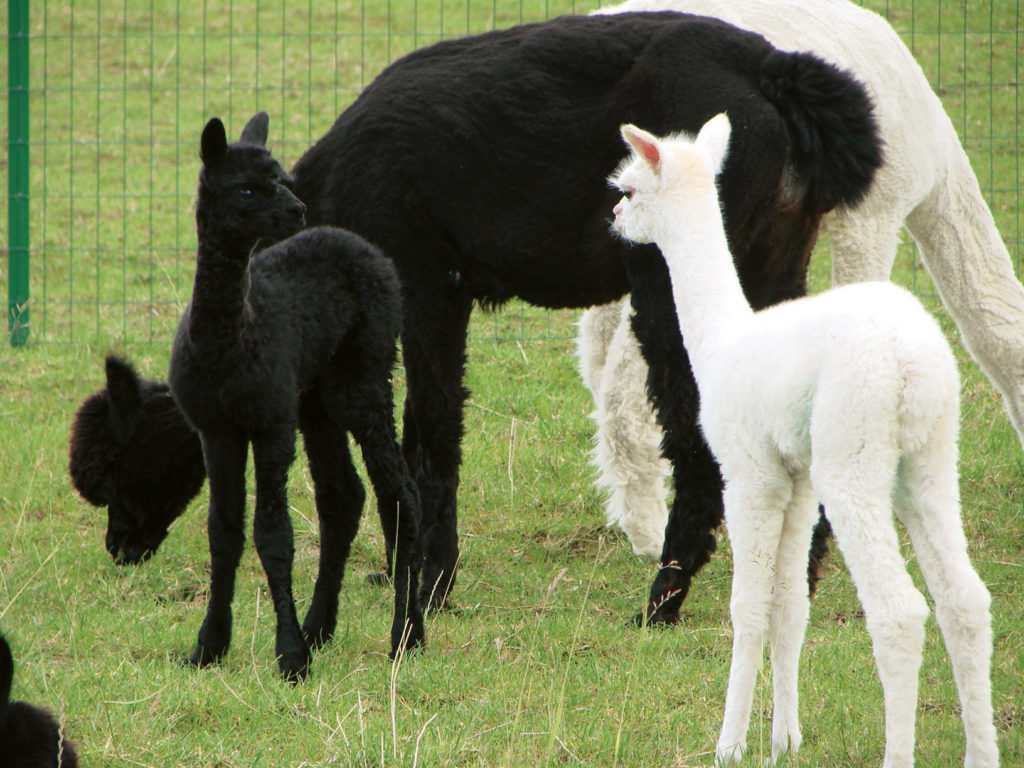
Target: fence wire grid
{"points": [[102, 129]]}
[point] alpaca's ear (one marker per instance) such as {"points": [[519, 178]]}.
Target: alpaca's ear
{"points": [[124, 399], [255, 131], [714, 139], [643, 144], [214, 143]]}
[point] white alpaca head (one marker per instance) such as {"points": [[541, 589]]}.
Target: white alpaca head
{"points": [[661, 174]]}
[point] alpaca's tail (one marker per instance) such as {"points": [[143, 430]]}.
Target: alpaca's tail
{"points": [[6, 674], [835, 142]]}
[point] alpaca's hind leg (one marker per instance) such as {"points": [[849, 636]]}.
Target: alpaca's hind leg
{"points": [[697, 507], [894, 610], [754, 518], [275, 545], [225, 457], [928, 503], [434, 354], [973, 272], [398, 500], [339, 504], [790, 608]]}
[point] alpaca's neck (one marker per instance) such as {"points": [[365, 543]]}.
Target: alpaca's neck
{"points": [[218, 297], [709, 300]]}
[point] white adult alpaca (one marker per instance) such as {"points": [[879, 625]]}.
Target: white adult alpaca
{"points": [[926, 183], [849, 397]]}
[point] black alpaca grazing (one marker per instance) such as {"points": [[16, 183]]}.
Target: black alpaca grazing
{"points": [[30, 737], [302, 334], [479, 165], [133, 453]]}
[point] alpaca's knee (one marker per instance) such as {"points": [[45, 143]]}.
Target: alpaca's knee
{"points": [[896, 625], [966, 609]]}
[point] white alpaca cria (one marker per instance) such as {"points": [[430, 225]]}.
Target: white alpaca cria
{"points": [[850, 398], [926, 184]]}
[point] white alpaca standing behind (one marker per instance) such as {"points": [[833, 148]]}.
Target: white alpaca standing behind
{"points": [[849, 397]]}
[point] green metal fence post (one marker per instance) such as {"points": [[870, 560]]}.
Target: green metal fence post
{"points": [[17, 184]]}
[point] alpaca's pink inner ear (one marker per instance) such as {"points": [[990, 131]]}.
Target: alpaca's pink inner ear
{"points": [[650, 152]]}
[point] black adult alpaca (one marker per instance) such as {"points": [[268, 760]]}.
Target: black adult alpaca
{"points": [[302, 334], [133, 453], [479, 165], [30, 737]]}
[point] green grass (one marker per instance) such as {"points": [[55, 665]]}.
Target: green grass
{"points": [[537, 666]]}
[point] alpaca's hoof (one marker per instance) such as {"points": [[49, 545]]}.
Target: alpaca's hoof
{"points": [[317, 637], [435, 585], [726, 757], [203, 656], [412, 644], [660, 616], [294, 666], [378, 579], [407, 636]]}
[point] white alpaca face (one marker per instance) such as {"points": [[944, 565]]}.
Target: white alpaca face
{"points": [[638, 183], [662, 172]]}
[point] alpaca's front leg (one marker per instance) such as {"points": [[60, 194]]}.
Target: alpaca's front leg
{"points": [[697, 508], [754, 534], [434, 354], [225, 456], [273, 537]]}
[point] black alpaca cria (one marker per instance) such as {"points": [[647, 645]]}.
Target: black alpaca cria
{"points": [[30, 737], [479, 165], [302, 334], [133, 453]]}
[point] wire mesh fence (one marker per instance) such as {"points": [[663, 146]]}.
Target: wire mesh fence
{"points": [[116, 93]]}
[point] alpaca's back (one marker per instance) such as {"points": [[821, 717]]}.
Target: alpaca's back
{"points": [[485, 158], [328, 283], [865, 360]]}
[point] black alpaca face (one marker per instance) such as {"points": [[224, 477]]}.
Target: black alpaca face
{"points": [[133, 452], [244, 194]]}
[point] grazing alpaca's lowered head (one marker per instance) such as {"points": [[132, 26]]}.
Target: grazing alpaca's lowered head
{"points": [[850, 398], [301, 335], [133, 452], [30, 737]]}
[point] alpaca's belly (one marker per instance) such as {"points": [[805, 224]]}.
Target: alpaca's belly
{"points": [[759, 422]]}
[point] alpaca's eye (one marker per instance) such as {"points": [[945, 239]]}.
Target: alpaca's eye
{"points": [[244, 192], [628, 193]]}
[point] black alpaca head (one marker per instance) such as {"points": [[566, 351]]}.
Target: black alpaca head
{"points": [[244, 195], [133, 452], [30, 737]]}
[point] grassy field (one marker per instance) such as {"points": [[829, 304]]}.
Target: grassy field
{"points": [[537, 665]]}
